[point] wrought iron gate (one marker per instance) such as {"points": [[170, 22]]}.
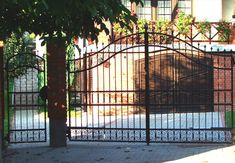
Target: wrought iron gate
{"points": [[26, 111], [140, 88]]}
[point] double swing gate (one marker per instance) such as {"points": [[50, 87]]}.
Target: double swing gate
{"points": [[25, 110], [151, 87], [143, 87]]}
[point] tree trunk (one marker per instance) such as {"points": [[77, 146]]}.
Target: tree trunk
{"points": [[2, 100], [56, 61]]}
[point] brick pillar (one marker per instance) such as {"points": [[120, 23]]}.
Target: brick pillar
{"points": [[2, 98], [57, 93]]}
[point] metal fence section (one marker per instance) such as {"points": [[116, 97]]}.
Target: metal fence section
{"points": [[151, 87], [25, 108]]}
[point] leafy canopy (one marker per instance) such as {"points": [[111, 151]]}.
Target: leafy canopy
{"points": [[62, 19]]}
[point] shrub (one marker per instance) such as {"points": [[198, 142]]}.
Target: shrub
{"points": [[184, 22], [204, 27], [224, 29]]}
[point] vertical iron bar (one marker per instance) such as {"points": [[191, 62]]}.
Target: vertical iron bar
{"points": [[69, 98], [139, 78], [160, 92], [173, 91], [155, 94], [26, 104], [98, 94], [85, 91], [103, 94], [85, 82], [20, 108], [134, 94], [127, 95], [146, 44], [32, 103], [8, 103], [121, 94], [115, 92], [78, 91], [109, 95], [45, 102], [212, 86]]}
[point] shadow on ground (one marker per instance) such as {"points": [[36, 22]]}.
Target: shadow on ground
{"points": [[87, 152]]}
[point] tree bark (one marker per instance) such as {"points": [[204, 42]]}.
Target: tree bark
{"points": [[56, 62], [2, 99]]}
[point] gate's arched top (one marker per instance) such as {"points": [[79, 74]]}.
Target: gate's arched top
{"points": [[25, 60], [156, 42], [137, 39]]}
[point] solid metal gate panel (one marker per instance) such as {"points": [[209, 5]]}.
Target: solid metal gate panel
{"points": [[25, 109], [173, 82], [139, 89]]}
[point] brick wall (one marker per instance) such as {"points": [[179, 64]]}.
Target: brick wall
{"points": [[232, 36], [223, 83]]}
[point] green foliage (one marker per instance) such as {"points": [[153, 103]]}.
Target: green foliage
{"points": [[42, 75], [62, 19], [121, 30], [204, 26], [141, 24], [183, 23], [224, 29], [160, 26], [15, 50], [229, 116], [7, 113], [70, 57], [163, 26], [125, 30]]}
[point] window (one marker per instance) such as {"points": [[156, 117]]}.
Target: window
{"points": [[164, 9], [185, 6], [145, 11], [127, 4]]}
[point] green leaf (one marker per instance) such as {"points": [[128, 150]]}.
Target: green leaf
{"points": [[45, 4]]}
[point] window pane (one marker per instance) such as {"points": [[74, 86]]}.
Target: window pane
{"points": [[127, 4], [145, 11], [185, 6], [164, 9]]}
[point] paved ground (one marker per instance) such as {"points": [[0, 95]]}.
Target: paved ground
{"points": [[85, 152]]}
